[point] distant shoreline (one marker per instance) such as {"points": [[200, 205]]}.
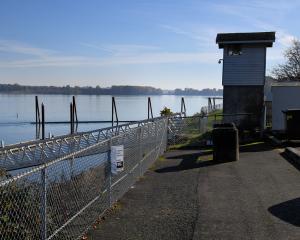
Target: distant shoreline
{"points": [[16, 89]]}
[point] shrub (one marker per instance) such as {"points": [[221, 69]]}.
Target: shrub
{"points": [[166, 112]]}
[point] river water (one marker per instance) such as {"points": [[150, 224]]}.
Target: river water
{"points": [[16, 111]]}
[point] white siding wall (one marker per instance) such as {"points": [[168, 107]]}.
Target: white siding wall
{"points": [[283, 98], [245, 69]]}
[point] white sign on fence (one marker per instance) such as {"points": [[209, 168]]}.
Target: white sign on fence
{"points": [[117, 159]]}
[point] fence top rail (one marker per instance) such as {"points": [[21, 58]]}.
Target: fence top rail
{"points": [[39, 167], [233, 114], [218, 115], [39, 152]]}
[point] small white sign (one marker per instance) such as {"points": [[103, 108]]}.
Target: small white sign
{"points": [[117, 159]]}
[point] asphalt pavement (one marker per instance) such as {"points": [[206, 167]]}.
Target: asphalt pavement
{"points": [[188, 196]]}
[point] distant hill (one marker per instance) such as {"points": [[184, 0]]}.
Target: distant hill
{"points": [[114, 90]]}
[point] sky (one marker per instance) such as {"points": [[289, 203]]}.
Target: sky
{"points": [[162, 43]]}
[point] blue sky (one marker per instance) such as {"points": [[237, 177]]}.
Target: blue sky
{"points": [[161, 43]]}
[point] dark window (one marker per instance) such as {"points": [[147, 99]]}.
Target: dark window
{"points": [[235, 50]]}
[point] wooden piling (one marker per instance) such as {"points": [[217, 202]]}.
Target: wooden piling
{"points": [[114, 112], [150, 112], [75, 110], [43, 121], [182, 107], [37, 111], [71, 119]]}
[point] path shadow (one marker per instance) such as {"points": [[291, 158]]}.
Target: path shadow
{"points": [[291, 161], [189, 161], [292, 143], [256, 147], [262, 146], [182, 154], [288, 211]]}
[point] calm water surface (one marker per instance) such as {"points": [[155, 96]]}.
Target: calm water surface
{"points": [[17, 110]]}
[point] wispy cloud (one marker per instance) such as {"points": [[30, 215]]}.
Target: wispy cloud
{"points": [[261, 9], [119, 55], [180, 31], [203, 35], [122, 49], [284, 38], [258, 15], [23, 49], [262, 15]]}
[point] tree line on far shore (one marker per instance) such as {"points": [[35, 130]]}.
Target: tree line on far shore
{"points": [[114, 90]]}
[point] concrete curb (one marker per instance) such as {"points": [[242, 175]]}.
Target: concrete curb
{"points": [[293, 154]]}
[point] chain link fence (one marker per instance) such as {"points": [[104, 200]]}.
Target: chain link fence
{"points": [[206, 110], [62, 197], [182, 129], [67, 182]]}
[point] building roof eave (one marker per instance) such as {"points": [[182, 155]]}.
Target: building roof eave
{"points": [[266, 38]]}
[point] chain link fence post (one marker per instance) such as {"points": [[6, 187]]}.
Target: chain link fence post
{"points": [[166, 135], [43, 203], [109, 173], [140, 151], [157, 142]]}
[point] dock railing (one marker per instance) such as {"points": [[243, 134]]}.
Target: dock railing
{"points": [[68, 181]]}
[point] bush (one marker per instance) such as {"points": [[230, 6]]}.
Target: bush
{"points": [[166, 112]]}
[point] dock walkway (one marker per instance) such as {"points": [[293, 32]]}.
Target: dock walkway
{"points": [[187, 196]]}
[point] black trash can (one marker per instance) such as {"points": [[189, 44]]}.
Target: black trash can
{"points": [[292, 123], [225, 142]]}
